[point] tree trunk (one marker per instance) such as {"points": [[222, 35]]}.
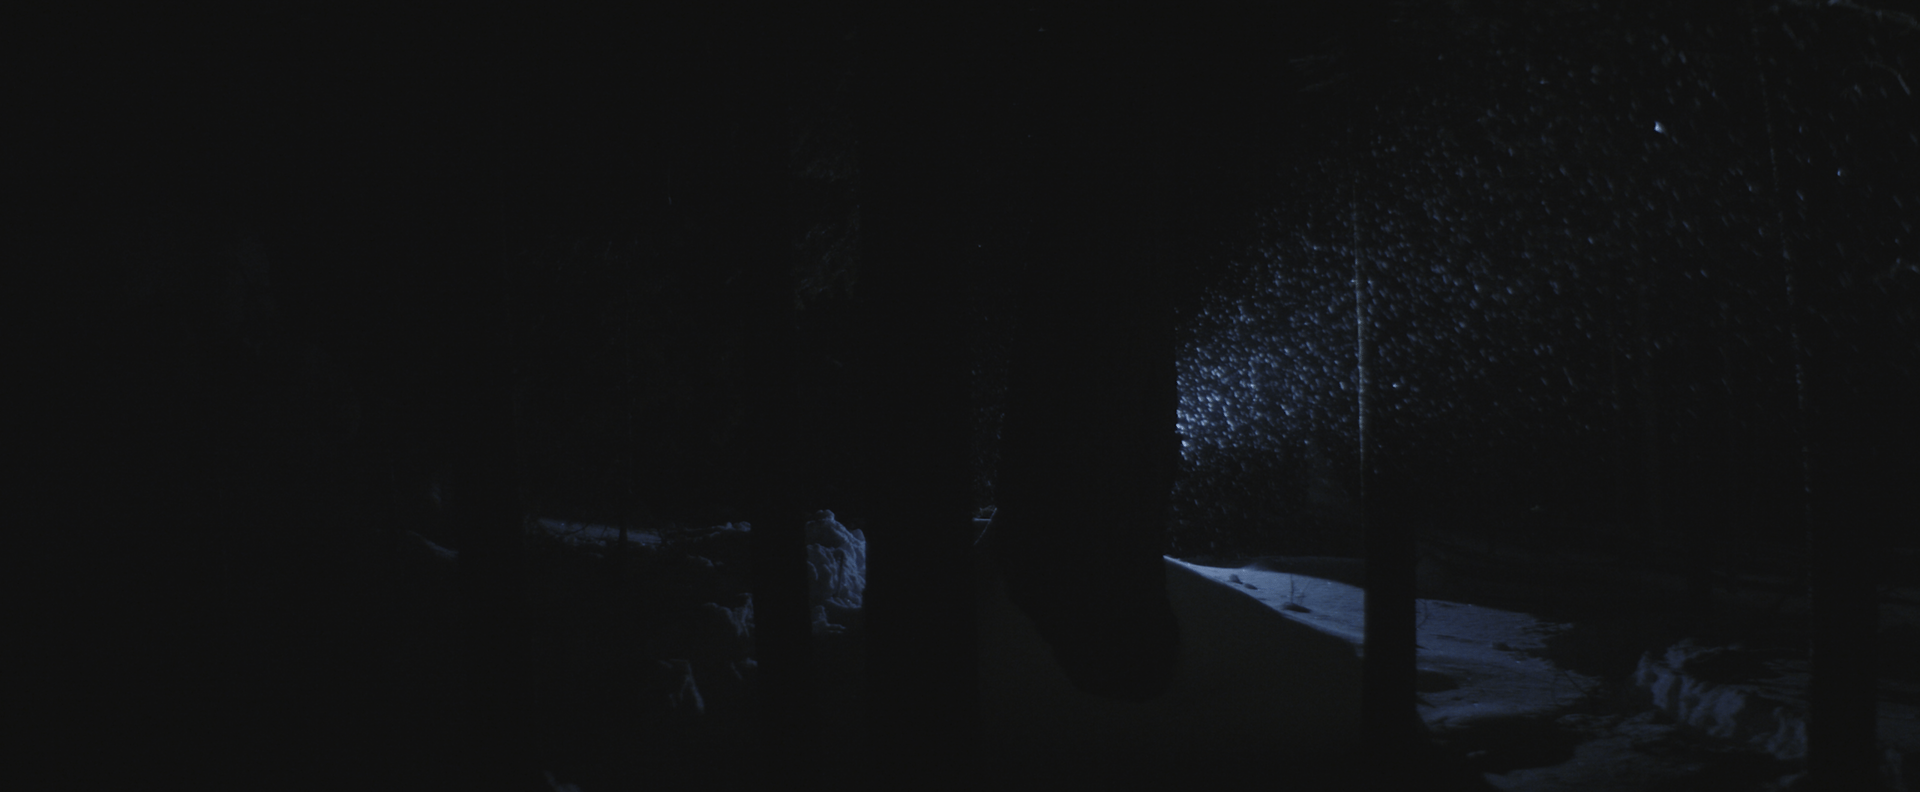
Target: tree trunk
{"points": [[1842, 694], [1090, 449], [485, 508], [1853, 483], [1840, 508], [1391, 723], [922, 707], [1388, 717], [1646, 392], [466, 399], [788, 724]]}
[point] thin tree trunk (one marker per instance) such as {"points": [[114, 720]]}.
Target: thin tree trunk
{"points": [[1389, 720], [761, 250], [782, 634], [1646, 392], [475, 399], [1843, 508], [488, 518], [1842, 694], [1839, 510]]}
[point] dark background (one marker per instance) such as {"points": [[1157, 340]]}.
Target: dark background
{"points": [[291, 267]]}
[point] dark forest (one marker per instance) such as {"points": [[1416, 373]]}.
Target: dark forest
{"points": [[1035, 297]]}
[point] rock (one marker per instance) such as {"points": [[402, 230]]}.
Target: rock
{"points": [[836, 570], [724, 632], [674, 684]]}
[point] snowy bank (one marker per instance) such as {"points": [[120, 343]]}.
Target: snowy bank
{"points": [[1770, 713], [1251, 682]]}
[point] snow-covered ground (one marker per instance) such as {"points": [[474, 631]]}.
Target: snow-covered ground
{"points": [[581, 534], [1476, 663], [1488, 687], [1722, 699], [1271, 653], [1251, 678]]}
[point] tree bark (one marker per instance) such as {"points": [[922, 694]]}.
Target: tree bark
{"points": [[1389, 721], [1090, 449], [1089, 446], [1837, 472], [485, 506], [788, 734], [1842, 693], [463, 402], [1854, 486], [469, 406], [1388, 716], [922, 706]]}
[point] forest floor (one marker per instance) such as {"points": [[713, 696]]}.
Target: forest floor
{"points": [[318, 663], [1724, 713]]}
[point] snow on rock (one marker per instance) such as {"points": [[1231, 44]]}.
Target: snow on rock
{"points": [[836, 562], [591, 535], [1743, 712], [1693, 684], [675, 681], [689, 573], [836, 571], [724, 632], [712, 641], [1727, 710], [822, 624], [420, 548]]}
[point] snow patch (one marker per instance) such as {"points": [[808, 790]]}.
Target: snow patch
{"points": [[1736, 711], [724, 632], [1729, 711], [580, 533]]}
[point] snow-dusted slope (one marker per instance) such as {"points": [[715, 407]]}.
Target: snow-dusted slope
{"points": [[1477, 663], [1769, 713], [1743, 713], [1252, 683]]}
